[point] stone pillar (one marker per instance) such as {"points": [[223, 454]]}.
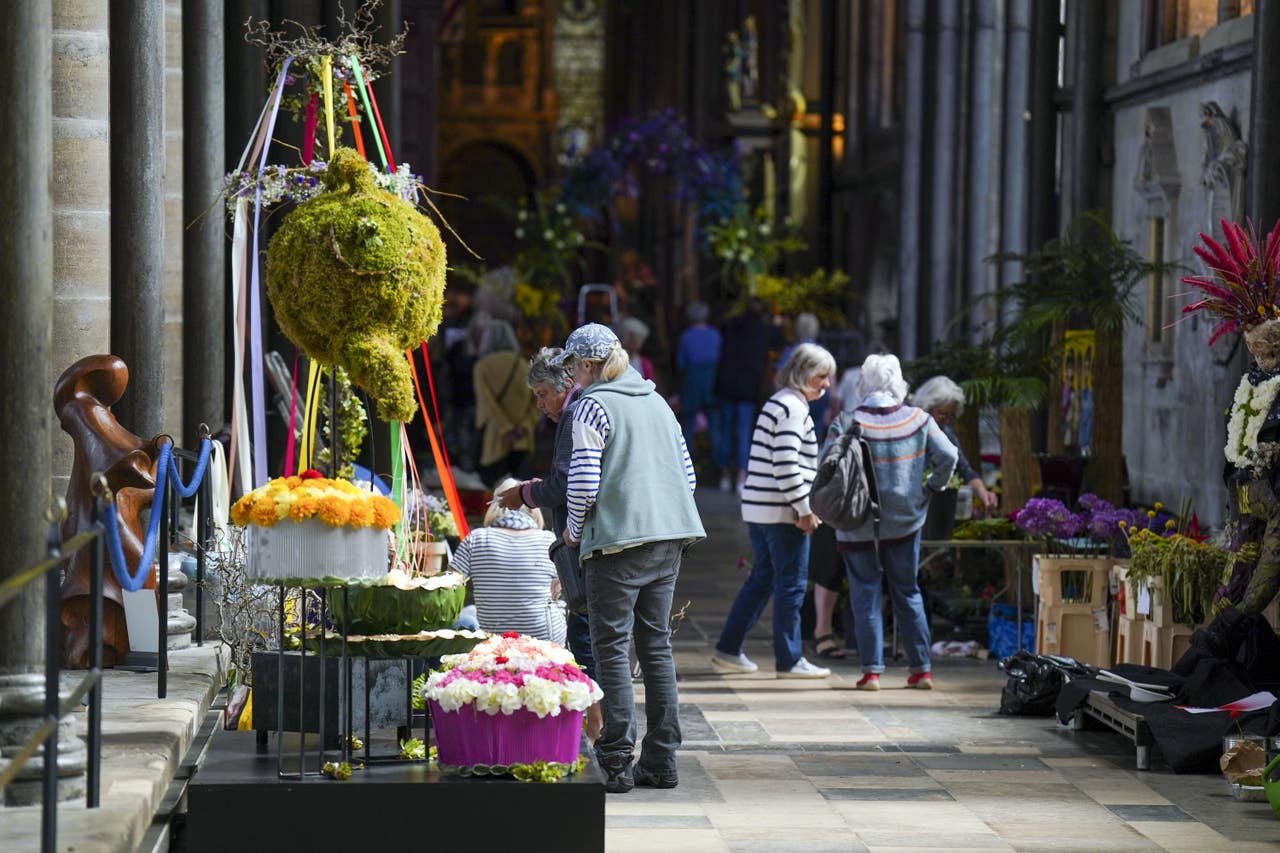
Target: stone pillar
{"points": [[1013, 148], [912, 231], [137, 206], [1264, 121], [1043, 131], [26, 349], [204, 247], [1087, 36], [944, 142], [983, 185]]}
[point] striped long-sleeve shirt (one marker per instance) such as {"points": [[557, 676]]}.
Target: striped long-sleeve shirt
{"points": [[511, 575], [591, 430], [784, 457]]}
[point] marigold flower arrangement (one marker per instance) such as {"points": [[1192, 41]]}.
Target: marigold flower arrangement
{"points": [[311, 495], [511, 672]]}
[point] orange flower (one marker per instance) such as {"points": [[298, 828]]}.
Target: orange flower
{"points": [[361, 514], [303, 507], [240, 511], [385, 513], [264, 513], [333, 510]]}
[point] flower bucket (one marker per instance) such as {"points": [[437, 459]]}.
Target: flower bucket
{"points": [[467, 737]]}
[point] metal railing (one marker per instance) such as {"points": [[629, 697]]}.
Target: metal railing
{"points": [[91, 684]]}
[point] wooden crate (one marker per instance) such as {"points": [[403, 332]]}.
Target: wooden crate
{"points": [[1128, 636], [1074, 580], [1126, 593], [1071, 630], [1163, 645]]}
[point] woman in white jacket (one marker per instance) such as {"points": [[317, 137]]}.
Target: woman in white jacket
{"points": [[775, 506]]}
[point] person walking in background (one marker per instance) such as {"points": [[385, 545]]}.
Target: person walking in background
{"points": [[630, 505], [775, 506], [806, 329], [943, 399], [697, 356], [906, 444], [505, 411], [634, 333], [511, 573], [556, 395], [747, 340]]}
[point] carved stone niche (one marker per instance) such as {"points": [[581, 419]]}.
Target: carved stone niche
{"points": [[1225, 158], [1157, 181]]}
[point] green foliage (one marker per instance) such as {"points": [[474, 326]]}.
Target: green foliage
{"points": [[747, 247], [375, 610], [349, 301], [986, 529], [353, 424], [1087, 276], [999, 373], [820, 292], [1189, 571]]}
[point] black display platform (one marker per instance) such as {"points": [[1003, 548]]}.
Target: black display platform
{"points": [[235, 801]]}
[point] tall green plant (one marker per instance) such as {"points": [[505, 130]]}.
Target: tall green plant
{"points": [[1087, 278]]}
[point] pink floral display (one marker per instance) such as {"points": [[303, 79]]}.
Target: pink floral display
{"points": [[509, 673]]}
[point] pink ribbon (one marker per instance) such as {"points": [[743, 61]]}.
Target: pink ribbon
{"points": [[309, 132]]}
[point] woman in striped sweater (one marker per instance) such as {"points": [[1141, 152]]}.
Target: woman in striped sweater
{"points": [[912, 459], [511, 574], [775, 506]]}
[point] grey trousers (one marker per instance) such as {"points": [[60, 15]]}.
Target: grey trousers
{"points": [[632, 591]]}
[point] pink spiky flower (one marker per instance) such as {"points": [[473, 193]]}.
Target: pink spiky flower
{"points": [[1242, 290]]}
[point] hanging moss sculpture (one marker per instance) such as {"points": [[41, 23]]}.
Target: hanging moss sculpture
{"points": [[356, 276]]}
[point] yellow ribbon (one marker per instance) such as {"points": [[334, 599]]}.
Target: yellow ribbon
{"points": [[307, 446], [326, 71]]}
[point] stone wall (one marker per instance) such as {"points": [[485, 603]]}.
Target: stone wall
{"points": [[1176, 389], [81, 196], [173, 224]]}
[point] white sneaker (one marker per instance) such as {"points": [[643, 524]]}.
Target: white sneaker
{"points": [[732, 663], [725, 485], [804, 669]]}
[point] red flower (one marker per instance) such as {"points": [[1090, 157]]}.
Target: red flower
{"points": [[510, 635], [1235, 712], [501, 659], [311, 474]]}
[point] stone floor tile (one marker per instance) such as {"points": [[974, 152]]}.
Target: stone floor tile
{"points": [[882, 793], [1135, 813], [1113, 793], [902, 842], [771, 792], [969, 761], [664, 841], [857, 764], [914, 783], [1012, 778], [895, 816], [764, 766], [655, 821], [801, 844], [630, 805]]}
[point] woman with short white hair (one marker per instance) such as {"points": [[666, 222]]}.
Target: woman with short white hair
{"points": [[943, 399], [775, 506], [906, 444]]}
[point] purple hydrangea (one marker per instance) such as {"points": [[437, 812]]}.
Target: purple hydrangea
{"points": [[1044, 517]]}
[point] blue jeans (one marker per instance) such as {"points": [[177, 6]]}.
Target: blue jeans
{"points": [[578, 639], [631, 591], [782, 570], [900, 562], [737, 421]]}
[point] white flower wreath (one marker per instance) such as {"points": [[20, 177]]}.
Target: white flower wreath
{"points": [[1248, 413]]}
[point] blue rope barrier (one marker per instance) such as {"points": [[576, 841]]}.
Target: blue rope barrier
{"points": [[131, 580], [202, 463]]}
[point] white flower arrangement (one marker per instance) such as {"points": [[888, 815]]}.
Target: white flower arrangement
{"points": [[512, 672], [1248, 413]]}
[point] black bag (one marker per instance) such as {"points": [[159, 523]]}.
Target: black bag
{"points": [[844, 493], [1035, 682], [573, 582]]}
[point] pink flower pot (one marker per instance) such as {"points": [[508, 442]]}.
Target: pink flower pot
{"points": [[467, 737]]}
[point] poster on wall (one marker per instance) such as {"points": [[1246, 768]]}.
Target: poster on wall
{"points": [[1077, 389]]}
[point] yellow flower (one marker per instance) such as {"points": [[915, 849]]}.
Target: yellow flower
{"points": [[385, 513], [264, 513], [333, 510], [240, 511], [302, 508], [361, 513]]}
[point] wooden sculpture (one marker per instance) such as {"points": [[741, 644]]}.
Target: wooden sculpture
{"points": [[82, 399]]}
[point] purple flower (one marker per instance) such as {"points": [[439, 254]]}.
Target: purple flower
{"points": [[1043, 517]]}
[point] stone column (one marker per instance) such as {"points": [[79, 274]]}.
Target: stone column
{"points": [[1088, 32], [204, 247], [1043, 131], [944, 142], [137, 206], [1264, 121], [912, 236], [1013, 148], [983, 185], [26, 348]]}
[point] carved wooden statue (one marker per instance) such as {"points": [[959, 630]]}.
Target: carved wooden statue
{"points": [[82, 399]]}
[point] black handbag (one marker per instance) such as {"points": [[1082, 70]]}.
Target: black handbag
{"points": [[573, 581]]}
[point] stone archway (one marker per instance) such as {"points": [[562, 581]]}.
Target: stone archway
{"points": [[487, 174]]}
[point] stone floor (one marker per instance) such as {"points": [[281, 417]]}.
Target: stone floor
{"points": [[774, 765]]}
